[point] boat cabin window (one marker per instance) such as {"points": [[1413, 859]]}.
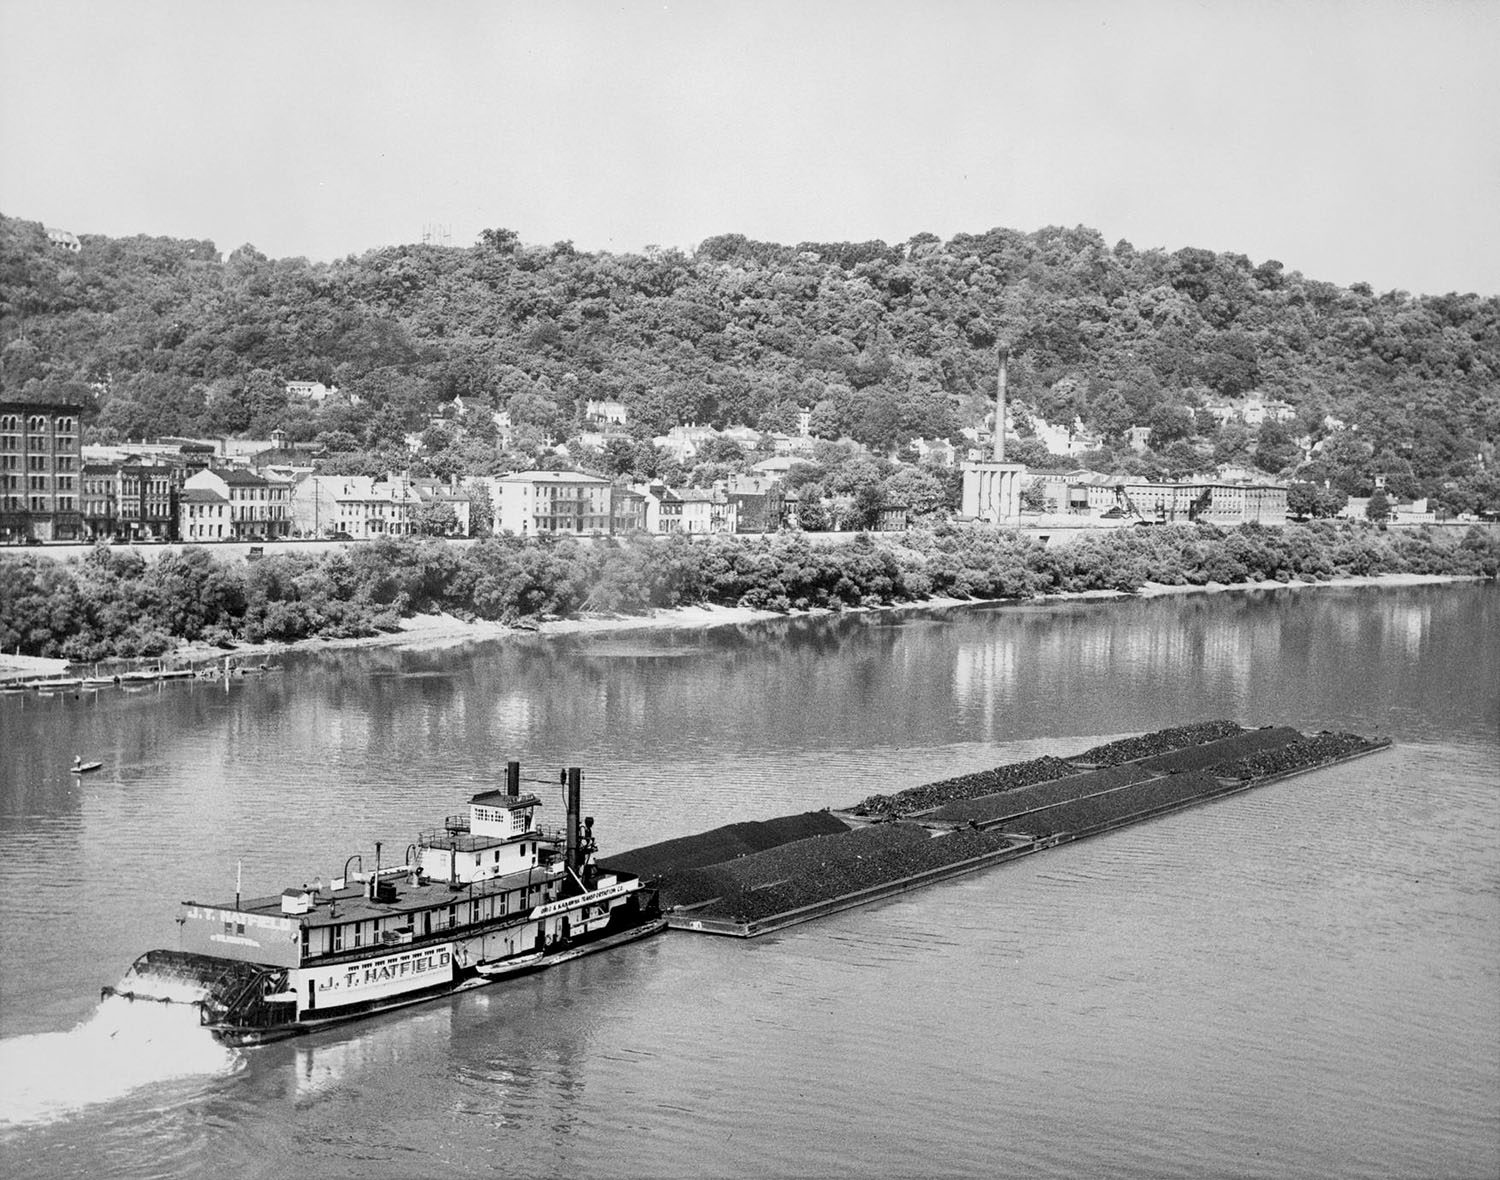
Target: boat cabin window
{"points": [[306, 940], [338, 938]]}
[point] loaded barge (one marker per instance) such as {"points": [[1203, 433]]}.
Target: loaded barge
{"points": [[487, 896], [752, 879]]}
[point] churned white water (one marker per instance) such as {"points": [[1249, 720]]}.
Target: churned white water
{"points": [[125, 1046]]}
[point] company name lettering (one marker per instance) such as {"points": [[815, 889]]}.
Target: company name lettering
{"points": [[208, 914], [356, 976], [583, 899]]}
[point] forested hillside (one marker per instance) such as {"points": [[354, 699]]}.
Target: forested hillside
{"points": [[885, 342]]}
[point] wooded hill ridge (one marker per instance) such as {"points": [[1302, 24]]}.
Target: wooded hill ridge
{"points": [[884, 342]]}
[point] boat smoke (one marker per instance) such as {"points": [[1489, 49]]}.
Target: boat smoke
{"points": [[124, 1046]]}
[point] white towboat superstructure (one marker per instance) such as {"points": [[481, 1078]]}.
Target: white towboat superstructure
{"points": [[488, 895]]}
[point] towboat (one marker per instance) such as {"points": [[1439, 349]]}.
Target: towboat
{"points": [[487, 896]]}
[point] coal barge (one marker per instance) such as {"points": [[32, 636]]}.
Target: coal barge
{"points": [[487, 896], [753, 878]]}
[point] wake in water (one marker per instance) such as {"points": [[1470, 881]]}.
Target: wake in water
{"points": [[125, 1045]]}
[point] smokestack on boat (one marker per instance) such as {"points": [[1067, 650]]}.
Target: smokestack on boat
{"points": [[574, 785], [512, 779]]}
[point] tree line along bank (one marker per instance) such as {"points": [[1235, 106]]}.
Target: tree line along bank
{"points": [[113, 603]]}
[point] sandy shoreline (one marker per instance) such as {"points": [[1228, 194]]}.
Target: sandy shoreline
{"points": [[437, 631]]}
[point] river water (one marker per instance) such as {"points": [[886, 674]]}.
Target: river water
{"points": [[1303, 980]]}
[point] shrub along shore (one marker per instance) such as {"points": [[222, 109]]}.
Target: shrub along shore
{"points": [[114, 604]]}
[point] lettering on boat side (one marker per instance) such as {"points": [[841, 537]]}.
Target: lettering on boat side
{"points": [[203, 913], [583, 899], [235, 939], [387, 975]]}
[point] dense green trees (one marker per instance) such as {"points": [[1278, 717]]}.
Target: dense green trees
{"points": [[113, 603], [882, 342]]}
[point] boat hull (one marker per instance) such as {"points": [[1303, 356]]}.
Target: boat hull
{"points": [[466, 979]]}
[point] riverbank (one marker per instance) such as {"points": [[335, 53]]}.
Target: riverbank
{"points": [[432, 632]]}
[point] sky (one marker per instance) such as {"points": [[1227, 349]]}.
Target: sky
{"points": [[1351, 141]]}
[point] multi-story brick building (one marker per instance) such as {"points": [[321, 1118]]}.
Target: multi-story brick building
{"points": [[41, 469], [627, 511], [146, 502], [97, 500]]}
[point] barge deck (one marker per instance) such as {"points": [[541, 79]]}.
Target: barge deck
{"points": [[832, 861]]}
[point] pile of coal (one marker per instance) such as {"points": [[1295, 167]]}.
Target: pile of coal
{"points": [[990, 808], [721, 844], [1081, 817], [1299, 755], [1204, 757], [1163, 741], [968, 786], [825, 867]]}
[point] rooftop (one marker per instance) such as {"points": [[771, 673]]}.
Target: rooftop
{"points": [[552, 477], [501, 799], [42, 399], [349, 904]]}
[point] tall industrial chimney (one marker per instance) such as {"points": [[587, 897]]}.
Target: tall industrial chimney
{"points": [[1004, 352]]}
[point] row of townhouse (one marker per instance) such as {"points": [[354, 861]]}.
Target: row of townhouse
{"points": [[165, 502], [1211, 500], [575, 503], [364, 508], [232, 504], [1205, 501], [572, 503]]}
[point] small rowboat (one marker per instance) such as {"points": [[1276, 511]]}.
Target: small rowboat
{"points": [[85, 767], [499, 968]]}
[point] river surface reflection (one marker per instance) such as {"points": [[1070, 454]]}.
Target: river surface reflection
{"points": [[1300, 981]]}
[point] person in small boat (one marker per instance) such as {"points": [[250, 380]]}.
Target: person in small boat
{"points": [[77, 762]]}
